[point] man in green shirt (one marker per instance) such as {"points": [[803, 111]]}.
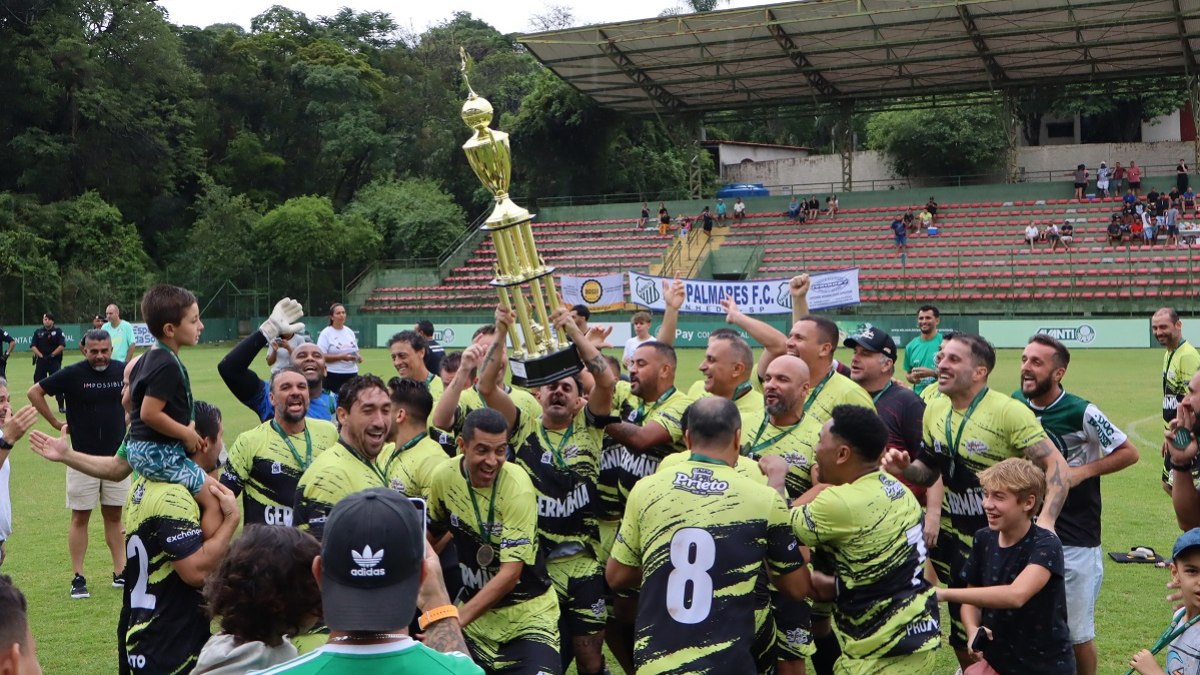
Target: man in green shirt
{"points": [[1180, 362], [121, 332], [375, 570], [919, 353]]}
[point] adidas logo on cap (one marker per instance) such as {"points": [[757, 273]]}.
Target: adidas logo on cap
{"points": [[367, 561]]}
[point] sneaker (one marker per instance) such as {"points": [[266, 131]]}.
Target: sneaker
{"points": [[79, 588], [119, 580]]}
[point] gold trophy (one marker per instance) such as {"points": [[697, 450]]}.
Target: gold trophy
{"points": [[541, 354]]}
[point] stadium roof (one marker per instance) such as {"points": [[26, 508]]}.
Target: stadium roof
{"points": [[833, 51]]}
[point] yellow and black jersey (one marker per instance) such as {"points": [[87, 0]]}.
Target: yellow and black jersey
{"points": [[340, 472], [834, 390], [965, 442], [612, 454], [794, 443], [872, 530], [666, 411], [507, 511], [471, 400], [564, 465], [701, 531], [265, 464], [166, 626]]}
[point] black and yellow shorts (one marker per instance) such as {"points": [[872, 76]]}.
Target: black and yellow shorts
{"points": [[578, 581], [520, 639]]}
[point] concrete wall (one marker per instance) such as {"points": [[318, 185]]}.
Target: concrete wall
{"points": [[1165, 128], [733, 154], [823, 173]]}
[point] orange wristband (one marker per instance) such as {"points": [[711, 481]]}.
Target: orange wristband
{"points": [[437, 614]]}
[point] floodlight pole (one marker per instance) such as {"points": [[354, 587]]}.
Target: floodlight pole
{"points": [[845, 144], [1011, 117]]}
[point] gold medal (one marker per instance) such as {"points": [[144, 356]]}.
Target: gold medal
{"points": [[485, 555]]}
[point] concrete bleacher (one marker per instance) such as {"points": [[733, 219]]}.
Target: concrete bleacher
{"points": [[977, 263]]}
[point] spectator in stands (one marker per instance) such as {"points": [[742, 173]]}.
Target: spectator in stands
{"points": [[1181, 176], [706, 221], [900, 233], [1135, 179], [1189, 201], [910, 221], [645, 216], [1152, 196], [794, 207], [813, 208], [932, 207], [924, 219], [739, 209], [1171, 220], [1137, 229], [1066, 234], [721, 215], [1129, 199], [1103, 174], [1118, 179], [1114, 229], [1175, 194], [1054, 236], [664, 220], [1081, 179], [1032, 234], [831, 205]]}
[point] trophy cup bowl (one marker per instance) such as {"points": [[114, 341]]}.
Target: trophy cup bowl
{"points": [[541, 354]]}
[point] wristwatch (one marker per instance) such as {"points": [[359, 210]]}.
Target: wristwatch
{"points": [[437, 614], [4, 444]]}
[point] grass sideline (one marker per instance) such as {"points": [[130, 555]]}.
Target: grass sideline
{"points": [[78, 636]]}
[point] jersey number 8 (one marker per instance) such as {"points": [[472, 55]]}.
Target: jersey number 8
{"points": [[693, 553]]}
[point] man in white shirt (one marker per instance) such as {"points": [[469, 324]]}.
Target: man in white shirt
{"points": [[641, 335]]}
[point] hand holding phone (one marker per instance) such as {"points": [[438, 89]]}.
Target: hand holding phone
{"points": [[982, 640]]}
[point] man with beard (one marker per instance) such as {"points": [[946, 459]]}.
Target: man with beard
{"points": [[967, 431], [267, 461], [359, 460], [254, 392], [408, 358], [1094, 447], [560, 450], [1180, 362], [509, 613], [919, 352], [96, 423]]}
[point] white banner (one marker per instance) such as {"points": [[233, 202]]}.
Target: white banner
{"points": [[142, 336], [599, 293], [762, 296]]}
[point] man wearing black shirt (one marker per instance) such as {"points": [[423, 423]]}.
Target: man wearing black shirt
{"points": [[434, 352], [12, 344], [48, 344], [96, 422]]}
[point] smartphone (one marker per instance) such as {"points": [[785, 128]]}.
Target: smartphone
{"points": [[981, 641], [420, 506], [1183, 437]]}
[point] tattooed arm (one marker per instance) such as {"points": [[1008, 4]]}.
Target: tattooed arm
{"points": [[444, 635], [600, 397], [897, 462], [1044, 454], [489, 372]]}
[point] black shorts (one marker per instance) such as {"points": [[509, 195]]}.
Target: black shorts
{"points": [[1080, 186], [1172, 230], [1135, 186]]}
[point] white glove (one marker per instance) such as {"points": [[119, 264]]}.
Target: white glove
{"points": [[284, 319]]}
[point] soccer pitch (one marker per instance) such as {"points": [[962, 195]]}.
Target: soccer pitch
{"points": [[78, 636]]}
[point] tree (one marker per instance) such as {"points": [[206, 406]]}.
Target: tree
{"points": [[220, 245], [306, 231], [415, 218], [552, 17], [940, 141]]}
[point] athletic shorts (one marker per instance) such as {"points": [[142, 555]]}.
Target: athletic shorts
{"points": [[520, 639], [1080, 186], [1083, 572], [83, 491], [1135, 186], [920, 663], [579, 582], [901, 240], [949, 559], [1172, 230], [165, 463], [793, 628]]}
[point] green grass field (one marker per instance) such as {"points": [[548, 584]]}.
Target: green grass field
{"points": [[78, 636]]}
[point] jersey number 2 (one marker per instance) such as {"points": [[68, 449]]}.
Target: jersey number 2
{"points": [[916, 537], [693, 553], [138, 597]]}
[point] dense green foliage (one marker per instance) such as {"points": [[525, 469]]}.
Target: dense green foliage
{"points": [[134, 150], [940, 141]]}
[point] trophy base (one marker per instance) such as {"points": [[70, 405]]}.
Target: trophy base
{"points": [[553, 367]]}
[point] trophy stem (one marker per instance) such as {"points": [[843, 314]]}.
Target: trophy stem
{"points": [[504, 241], [535, 261], [513, 333], [531, 341], [539, 304]]}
